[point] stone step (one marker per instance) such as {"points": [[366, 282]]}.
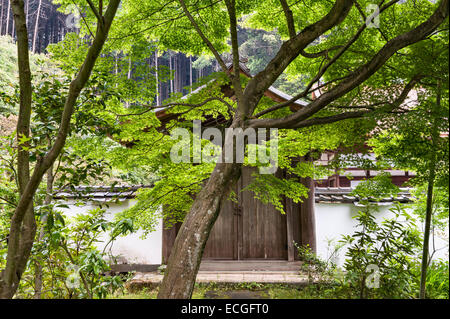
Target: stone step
{"points": [[152, 280], [249, 265]]}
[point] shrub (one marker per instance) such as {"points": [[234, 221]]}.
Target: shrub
{"points": [[381, 255]]}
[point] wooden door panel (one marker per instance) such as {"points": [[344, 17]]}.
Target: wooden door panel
{"points": [[249, 229], [221, 242], [263, 227]]}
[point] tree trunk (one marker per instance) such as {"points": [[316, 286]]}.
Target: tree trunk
{"points": [[129, 68], [156, 78], [27, 11], [190, 73], [36, 26], [429, 208], [187, 251], [1, 19], [7, 17], [38, 272], [426, 237], [171, 72], [19, 250]]}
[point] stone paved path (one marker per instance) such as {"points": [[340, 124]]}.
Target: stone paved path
{"points": [[153, 279]]}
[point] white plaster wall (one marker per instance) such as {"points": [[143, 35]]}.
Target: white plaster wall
{"points": [[332, 222], [335, 220], [130, 249]]}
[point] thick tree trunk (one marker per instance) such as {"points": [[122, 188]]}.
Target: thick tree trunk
{"points": [[187, 251]]}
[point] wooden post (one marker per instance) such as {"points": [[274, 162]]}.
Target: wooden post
{"points": [[289, 207], [290, 231], [307, 216], [239, 218], [168, 239]]}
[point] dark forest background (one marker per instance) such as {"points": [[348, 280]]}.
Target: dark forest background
{"points": [[47, 25]]}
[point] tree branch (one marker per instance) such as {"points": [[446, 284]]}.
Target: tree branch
{"points": [[169, 105], [231, 7], [294, 99], [290, 50], [204, 38], [82, 17], [322, 71], [289, 18], [96, 13], [362, 73], [321, 53], [387, 107]]}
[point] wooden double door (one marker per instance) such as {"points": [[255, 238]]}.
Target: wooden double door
{"points": [[249, 229]]}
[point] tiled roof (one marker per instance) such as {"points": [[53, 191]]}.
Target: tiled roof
{"points": [[344, 195], [124, 192], [101, 193], [287, 97]]}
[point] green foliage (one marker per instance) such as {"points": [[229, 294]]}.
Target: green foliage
{"points": [[407, 142], [185, 38], [8, 189], [202, 62], [440, 208], [129, 77], [437, 286], [72, 265], [317, 269], [376, 188], [9, 72], [270, 189], [57, 239], [151, 149], [382, 254], [162, 26]]}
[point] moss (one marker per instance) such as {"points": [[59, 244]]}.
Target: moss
{"points": [[255, 290]]}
